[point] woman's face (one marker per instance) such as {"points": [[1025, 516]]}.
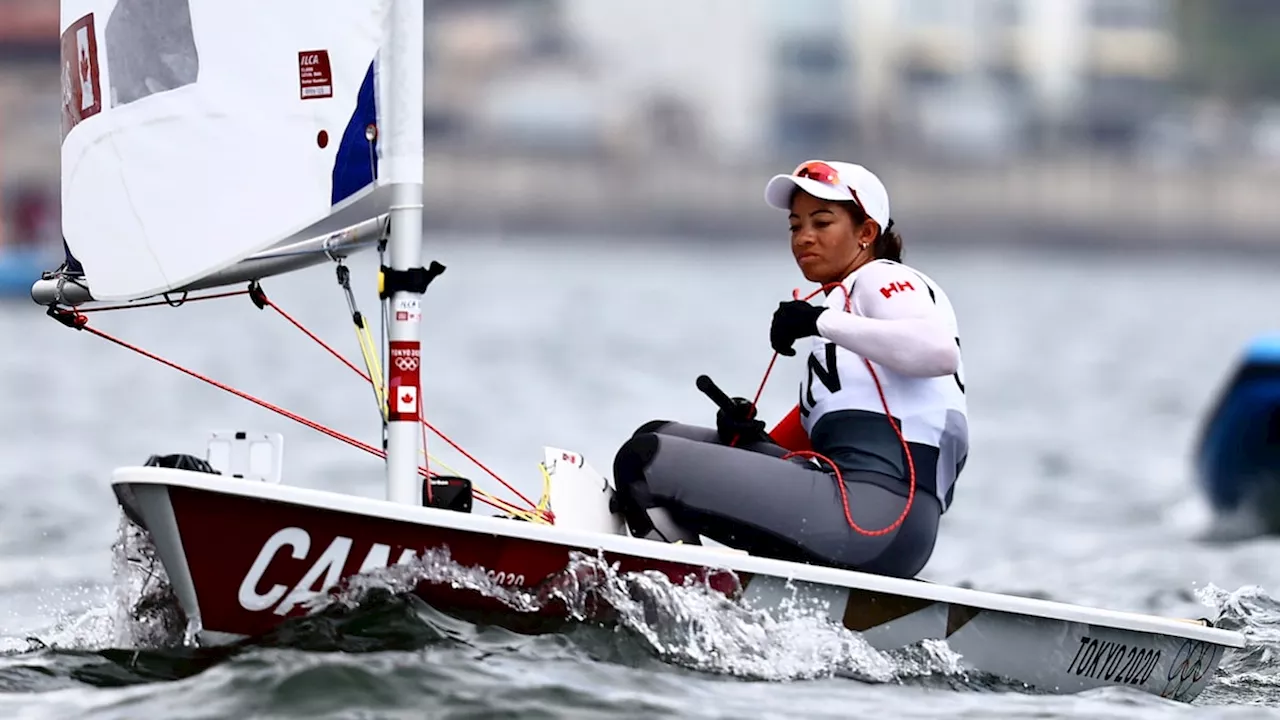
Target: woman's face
{"points": [[825, 241]]}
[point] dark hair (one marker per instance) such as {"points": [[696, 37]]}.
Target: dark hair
{"points": [[888, 245]]}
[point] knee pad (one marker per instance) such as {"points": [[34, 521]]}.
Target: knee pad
{"points": [[645, 519], [629, 467]]}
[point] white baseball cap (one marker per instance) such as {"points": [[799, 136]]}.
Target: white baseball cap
{"points": [[837, 181]]}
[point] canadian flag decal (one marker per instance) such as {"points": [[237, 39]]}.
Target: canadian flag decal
{"points": [[81, 82], [407, 400]]}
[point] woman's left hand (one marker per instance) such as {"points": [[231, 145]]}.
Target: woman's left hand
{"points": [[793, 320]]}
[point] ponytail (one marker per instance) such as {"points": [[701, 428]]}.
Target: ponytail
{"points": [[889, 245]]}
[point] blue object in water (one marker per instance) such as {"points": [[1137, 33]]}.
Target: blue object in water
{"points": [[1238, 456], [20, 267]]}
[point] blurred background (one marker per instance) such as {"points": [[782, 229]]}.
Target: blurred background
{"points": [[1150, 121], [1093, 182]]}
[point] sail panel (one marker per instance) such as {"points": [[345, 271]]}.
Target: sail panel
{"points": [[197, 132]]}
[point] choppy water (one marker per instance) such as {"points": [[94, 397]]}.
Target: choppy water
{"points": [[1086, 375]]}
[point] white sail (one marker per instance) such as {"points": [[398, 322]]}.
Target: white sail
{"points": [[198, 132]]}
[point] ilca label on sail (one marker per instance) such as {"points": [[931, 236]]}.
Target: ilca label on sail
{"points": [[315, 78]]}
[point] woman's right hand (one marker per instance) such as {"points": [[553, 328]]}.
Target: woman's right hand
{"points": [[738, 425]]}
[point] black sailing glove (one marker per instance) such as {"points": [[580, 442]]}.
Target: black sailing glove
{"points": [[793, 320], [739, 423]]}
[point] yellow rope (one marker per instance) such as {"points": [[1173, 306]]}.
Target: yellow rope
{"points": [[369, 350], [529, 515], [544, 502], [440, 463]]}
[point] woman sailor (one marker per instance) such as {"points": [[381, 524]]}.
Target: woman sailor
{"points": [[860, 472]]}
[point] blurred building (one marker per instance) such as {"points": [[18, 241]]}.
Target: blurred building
{"points": [[736, 78], [28, 30], [814, 69], [987, 76], [627, 77], [29, 107], [679, 75], [504, 72], [615, 98], [1096, 68]]}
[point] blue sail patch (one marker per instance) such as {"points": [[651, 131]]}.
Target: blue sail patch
{"points": [[355, 166]]}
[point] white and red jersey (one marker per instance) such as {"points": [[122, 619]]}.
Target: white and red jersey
{"points": [[902, 323]]}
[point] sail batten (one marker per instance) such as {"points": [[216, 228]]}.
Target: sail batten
{"points": [[199, 132]]}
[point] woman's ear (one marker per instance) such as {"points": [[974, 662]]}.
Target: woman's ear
{"points": [[868, 232]]}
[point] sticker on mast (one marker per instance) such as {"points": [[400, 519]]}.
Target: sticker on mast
{"points": [[403, 382], [81, 87], [315, 76], [408, 310]]}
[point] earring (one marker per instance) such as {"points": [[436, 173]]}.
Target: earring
{"points": [[863, 245]]}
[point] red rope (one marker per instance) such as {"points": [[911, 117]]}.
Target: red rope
{"points": [[260, 295], [906, 449], [77, 320], [421, 414], [426, 455], [477, 463], [170, 303]]}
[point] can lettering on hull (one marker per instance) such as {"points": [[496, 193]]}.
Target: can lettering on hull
{"points": [[1113, 662], [250, 598], [324, 572]]}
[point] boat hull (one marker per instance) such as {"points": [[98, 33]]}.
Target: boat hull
{"points": [[1237, 457], [243, 556]]}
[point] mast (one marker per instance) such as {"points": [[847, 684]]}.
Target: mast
{"points": [[404, 280]]}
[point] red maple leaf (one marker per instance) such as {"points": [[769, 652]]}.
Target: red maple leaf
{"points": [[84, 64], [406, 398]]}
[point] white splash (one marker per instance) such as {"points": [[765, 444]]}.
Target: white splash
{"points": [[689, 624], [81, 619], [137, 610], [144, 610]]}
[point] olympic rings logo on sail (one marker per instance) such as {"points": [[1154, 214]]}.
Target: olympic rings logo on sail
{"points": [[406, 363], [1187, 669]]}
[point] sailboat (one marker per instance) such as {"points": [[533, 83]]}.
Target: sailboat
{"points": [[1237, 454], [213, 143]]}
